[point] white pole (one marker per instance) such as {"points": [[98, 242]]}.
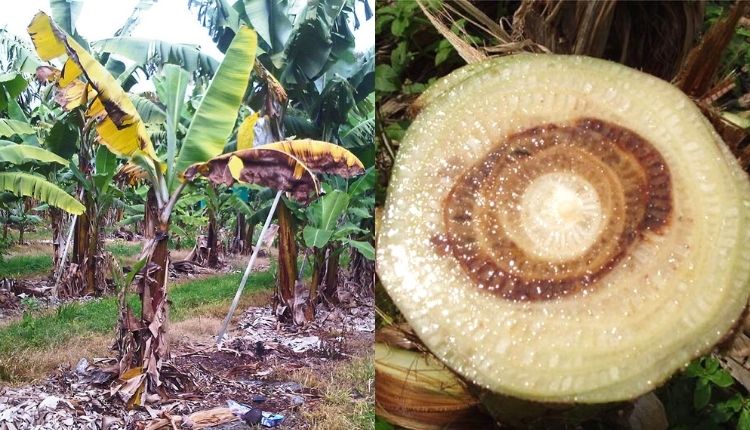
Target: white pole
{"points": [[64, 256], [250, 264]]}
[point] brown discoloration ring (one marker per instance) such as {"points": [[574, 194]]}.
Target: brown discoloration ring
{"points": [[628, 174]]}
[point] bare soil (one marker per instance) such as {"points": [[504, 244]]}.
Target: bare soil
{"points": [[264, 365]]}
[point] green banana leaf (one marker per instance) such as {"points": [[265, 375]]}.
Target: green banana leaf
{"points": [[63, 139], [24, 184], [324, 215], [332, 206], [315, 237], [10, 127], [171, 88], [11, 86], [142, 50], [149, 111], [106, 166], [66, 13], [19, 154], [216, 116], [364, 248], [269, 19]]}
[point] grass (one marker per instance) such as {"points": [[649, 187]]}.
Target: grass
{"points": [[39, 233], [36, 337], [123, 249], [348, 395], [35, 259], [25, 265]]}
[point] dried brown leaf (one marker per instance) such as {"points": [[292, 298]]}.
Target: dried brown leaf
{"points": [[464, 49]]}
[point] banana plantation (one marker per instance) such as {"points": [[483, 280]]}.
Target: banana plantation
{"points": [[187, 233]]}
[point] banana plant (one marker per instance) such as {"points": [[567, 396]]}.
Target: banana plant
{"points": [[19, 179], [333, 224], [120, 128], [143, 345], [288, 165], [23, 217], [315, 86]]}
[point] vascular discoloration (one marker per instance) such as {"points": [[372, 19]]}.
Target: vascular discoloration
{"points": [[629, 175]]}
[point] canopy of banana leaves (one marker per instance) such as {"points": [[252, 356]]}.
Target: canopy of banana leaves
{"points": [[144, 50], [10, 127]]}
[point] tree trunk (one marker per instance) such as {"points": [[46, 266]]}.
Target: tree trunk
{"points": [[247, 246], [5, 231], [20, 233], [362, 271], [150, 214], [143, 344], [57, 218], [318, 273], [240, 233], [153, 292], [212, 244], [87, 247], [331, 285], [287, 275]]}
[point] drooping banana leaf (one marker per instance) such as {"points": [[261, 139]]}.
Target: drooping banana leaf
{"points": [[73, 95], [289, 165], [24, 184], [143, 50], [261, 165], [19, 154], [215, 118], [10, 127], [122, 129], [321, 157]]}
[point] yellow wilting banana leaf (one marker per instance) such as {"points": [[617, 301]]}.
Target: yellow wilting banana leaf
{"points": [[288, 165], [246, 133], [321, 157], [70, 72], [121, 129]]}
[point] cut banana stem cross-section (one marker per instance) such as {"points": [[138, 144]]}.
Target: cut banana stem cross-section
{"points": [[562, 228]]}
